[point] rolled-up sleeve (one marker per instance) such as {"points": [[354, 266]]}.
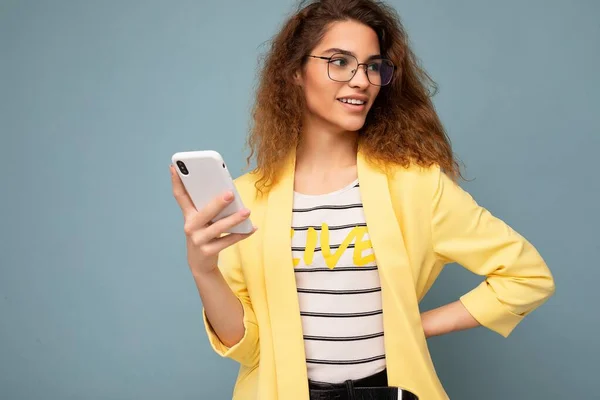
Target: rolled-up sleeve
{"points": [[517, 279], [246, 351]]}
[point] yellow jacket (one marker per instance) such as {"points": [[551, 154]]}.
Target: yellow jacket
{"points": [[418, 221]]}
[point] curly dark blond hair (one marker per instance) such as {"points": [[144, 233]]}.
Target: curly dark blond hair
{"points": [[402, 126]]}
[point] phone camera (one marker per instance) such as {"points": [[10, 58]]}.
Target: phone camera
{"points": [[182, 167]]}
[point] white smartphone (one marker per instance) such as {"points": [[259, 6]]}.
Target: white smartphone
{"points": [[205, 176]]}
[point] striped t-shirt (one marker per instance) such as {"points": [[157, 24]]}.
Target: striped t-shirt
{"points": [[338, 286]]}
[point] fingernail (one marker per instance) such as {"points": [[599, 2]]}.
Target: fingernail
{"points": [[245, 213], [228, 196]]}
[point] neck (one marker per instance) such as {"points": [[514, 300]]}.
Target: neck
{"points": [[324, 148]]}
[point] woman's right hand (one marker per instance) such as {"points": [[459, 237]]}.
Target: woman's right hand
{"points": [[204, 239]]}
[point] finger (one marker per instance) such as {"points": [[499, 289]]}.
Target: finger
{"points": [[203, 232], [217, 245], [196, 225], [221, 226], [181, 195], [212, 209]]}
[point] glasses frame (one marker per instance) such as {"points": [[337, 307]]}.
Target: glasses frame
{"points": [[359, 64]]}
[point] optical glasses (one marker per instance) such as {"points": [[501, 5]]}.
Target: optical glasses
{"points": [[342, 68]]}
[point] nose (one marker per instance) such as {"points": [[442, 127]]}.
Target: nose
{"points": [[360, 79]]}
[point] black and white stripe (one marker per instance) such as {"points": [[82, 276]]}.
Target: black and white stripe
{"points": [[343, 338], [346, 362], [331, 227], [336, 291], [328, 207], [336, 269], [340, 307], [341, 315]]}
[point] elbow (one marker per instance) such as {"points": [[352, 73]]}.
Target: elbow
{"points": [[526, 293], [541, 282], [545, 287], [547, 284], [550, 287]]}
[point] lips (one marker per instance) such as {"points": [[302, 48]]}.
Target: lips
{"points": [[353, 101], [353, 108]]}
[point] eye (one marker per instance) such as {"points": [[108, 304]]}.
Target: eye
{"points": [[376, 66], [339, 61]]}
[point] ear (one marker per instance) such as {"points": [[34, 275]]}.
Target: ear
{"points": [[298, 77]]}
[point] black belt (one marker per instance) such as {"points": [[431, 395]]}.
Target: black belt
{"points": [[374, 393], [373, 387]]}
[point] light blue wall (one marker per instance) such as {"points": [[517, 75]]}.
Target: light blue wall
{"points": [[96, 300]]}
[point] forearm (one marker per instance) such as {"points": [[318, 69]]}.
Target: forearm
{"points": [[446, 319], [223, 309]]}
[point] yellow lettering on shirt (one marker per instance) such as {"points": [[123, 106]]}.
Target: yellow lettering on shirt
{"points": [[332, 259], [296, 261], [311, 244], [361, 245]]}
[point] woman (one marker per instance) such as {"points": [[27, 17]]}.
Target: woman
{"points": [[356, 199]]}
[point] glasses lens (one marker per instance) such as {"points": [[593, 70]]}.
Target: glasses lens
{"points": [[341, 67], [380, 72]]}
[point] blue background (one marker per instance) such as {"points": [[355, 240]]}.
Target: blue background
{"points": [[96, 299]]}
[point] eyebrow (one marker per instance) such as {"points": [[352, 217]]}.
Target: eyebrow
{"points": [[348, 52]]}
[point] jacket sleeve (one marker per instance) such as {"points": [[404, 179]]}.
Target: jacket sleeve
{"points": [[517, 278], [246, 351]]}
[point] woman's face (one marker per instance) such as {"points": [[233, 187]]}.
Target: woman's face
{"points": [[330, 101]]}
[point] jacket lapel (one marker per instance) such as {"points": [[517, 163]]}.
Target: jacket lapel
{"points": [[284, 311], [400, 304]]}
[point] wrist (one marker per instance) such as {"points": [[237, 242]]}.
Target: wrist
{"points": [[209, 275]]}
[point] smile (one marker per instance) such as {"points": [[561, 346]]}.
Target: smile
{"points": [[352, 101]]}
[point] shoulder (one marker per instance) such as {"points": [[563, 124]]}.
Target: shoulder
{"points": [[415, 177], [427, 182]]}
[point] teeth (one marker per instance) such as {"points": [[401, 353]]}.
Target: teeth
{"points": [[352, 101]]}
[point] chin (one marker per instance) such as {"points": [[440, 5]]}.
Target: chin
{"points": [[351, 124]]}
